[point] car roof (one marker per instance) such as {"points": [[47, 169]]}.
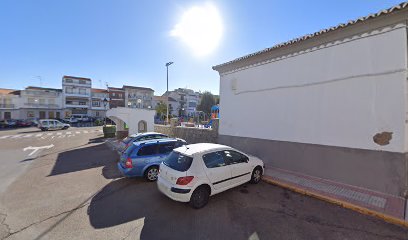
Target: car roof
{"points": [[155, 141], [192, 149], [146, 133]]}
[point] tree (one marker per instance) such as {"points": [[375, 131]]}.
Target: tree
{"points": [[161, 109], [207, 101]]}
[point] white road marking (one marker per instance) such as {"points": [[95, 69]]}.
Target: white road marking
{"points": [[68, 133], [35, 149], [52, 137], [49, 134], [85, 131], [27, 136], [78, 132], [16, 136], [3, 137], [61, 136], [58, 133], [39, 135]]}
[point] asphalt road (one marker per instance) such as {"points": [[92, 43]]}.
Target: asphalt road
{"points": [[73, 191]]}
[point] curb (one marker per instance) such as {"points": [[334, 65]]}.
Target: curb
{"points": [[366, 211]]}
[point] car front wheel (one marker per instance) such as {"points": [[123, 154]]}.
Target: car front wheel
{"points": [[256, 175], [151, 173], [200, 197]]}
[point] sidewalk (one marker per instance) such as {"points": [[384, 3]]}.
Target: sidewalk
{"points": [[388, 207]]}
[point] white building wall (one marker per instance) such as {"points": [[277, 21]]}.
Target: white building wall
{"points": [[339, 94]]}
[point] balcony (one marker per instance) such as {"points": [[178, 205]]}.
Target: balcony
{"points": [[7, 105], [81, 95], [87, 84], [74, 105], [41, 93], [41, 105]]}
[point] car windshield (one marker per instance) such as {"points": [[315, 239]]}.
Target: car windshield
{"points": [[178, 161]]}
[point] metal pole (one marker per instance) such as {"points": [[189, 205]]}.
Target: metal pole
{"points": [[167, 119]]}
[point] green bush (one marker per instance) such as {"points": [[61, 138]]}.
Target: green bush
{"points": [[109, 131]]}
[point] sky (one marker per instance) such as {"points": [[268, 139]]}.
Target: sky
{"points": [[128, 42]]}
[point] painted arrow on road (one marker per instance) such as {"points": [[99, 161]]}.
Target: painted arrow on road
{"points": [[35, 149]]}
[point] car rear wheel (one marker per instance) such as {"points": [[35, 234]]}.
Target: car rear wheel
{"points": [[256, 175], [151, 173], [44, 129], [200, 197]]}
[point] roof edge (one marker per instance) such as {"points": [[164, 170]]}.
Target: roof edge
{"points": [[399, 7]]}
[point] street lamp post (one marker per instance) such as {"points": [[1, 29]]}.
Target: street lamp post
{"points": [[167, 68], [105, 103]]}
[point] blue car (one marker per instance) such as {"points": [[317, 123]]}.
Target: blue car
{"points": [[138, 138], [142, 159]]}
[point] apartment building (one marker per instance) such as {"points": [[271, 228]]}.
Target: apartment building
{"points": [[188, 100], [116, 97], [174, 106], [77, 95], [138, 97], [100, 102], [9, 103], [39, 102]]}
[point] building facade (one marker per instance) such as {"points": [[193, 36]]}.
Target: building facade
{"points": [[38, 102], [138, 97], [332, 104], [173, 104], [100, 102], [117, 97], [187, 99], [9, 104], [76, 95]]}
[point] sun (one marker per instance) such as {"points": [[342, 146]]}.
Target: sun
{"points": [[200, 28]]}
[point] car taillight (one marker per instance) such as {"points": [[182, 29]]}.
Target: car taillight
{"points": [[129, 163], [184, 180]]}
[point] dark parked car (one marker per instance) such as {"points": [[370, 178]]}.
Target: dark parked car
{"points": [[9, 123], [23, 123]]}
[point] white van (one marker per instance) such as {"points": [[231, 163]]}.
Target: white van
{"points": [[51, 124]]}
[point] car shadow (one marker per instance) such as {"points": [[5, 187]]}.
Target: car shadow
{"points": [[94, 155], [137, 201]]}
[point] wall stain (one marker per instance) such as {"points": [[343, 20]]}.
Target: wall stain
{"points": [[383, 138]]}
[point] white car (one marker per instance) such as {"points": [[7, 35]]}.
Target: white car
{"points": [[51, 124], [194, 172]]}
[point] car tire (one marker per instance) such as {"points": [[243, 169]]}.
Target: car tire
{"points": [[44, 129], [256, 175], [200, 197], [151, 173]]}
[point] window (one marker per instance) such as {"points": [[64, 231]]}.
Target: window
{"points": [[31, 100], [82, 103], [96, 103], [82, 91], [42, 101], [82, 82], [147, 150], [68, 102], [166, 148], [68, 80], [113, 94], [178, 161], [213, 160], [192, 104], [7, 115], [233, 157], [30, 114], [69, 90], [97, 113], [120, 95], [51, 101]]}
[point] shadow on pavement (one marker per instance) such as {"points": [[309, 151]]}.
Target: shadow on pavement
{"points": [[129, 200], [87, 157]]}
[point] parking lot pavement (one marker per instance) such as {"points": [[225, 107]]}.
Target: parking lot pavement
{"points": [[74, 191]]}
